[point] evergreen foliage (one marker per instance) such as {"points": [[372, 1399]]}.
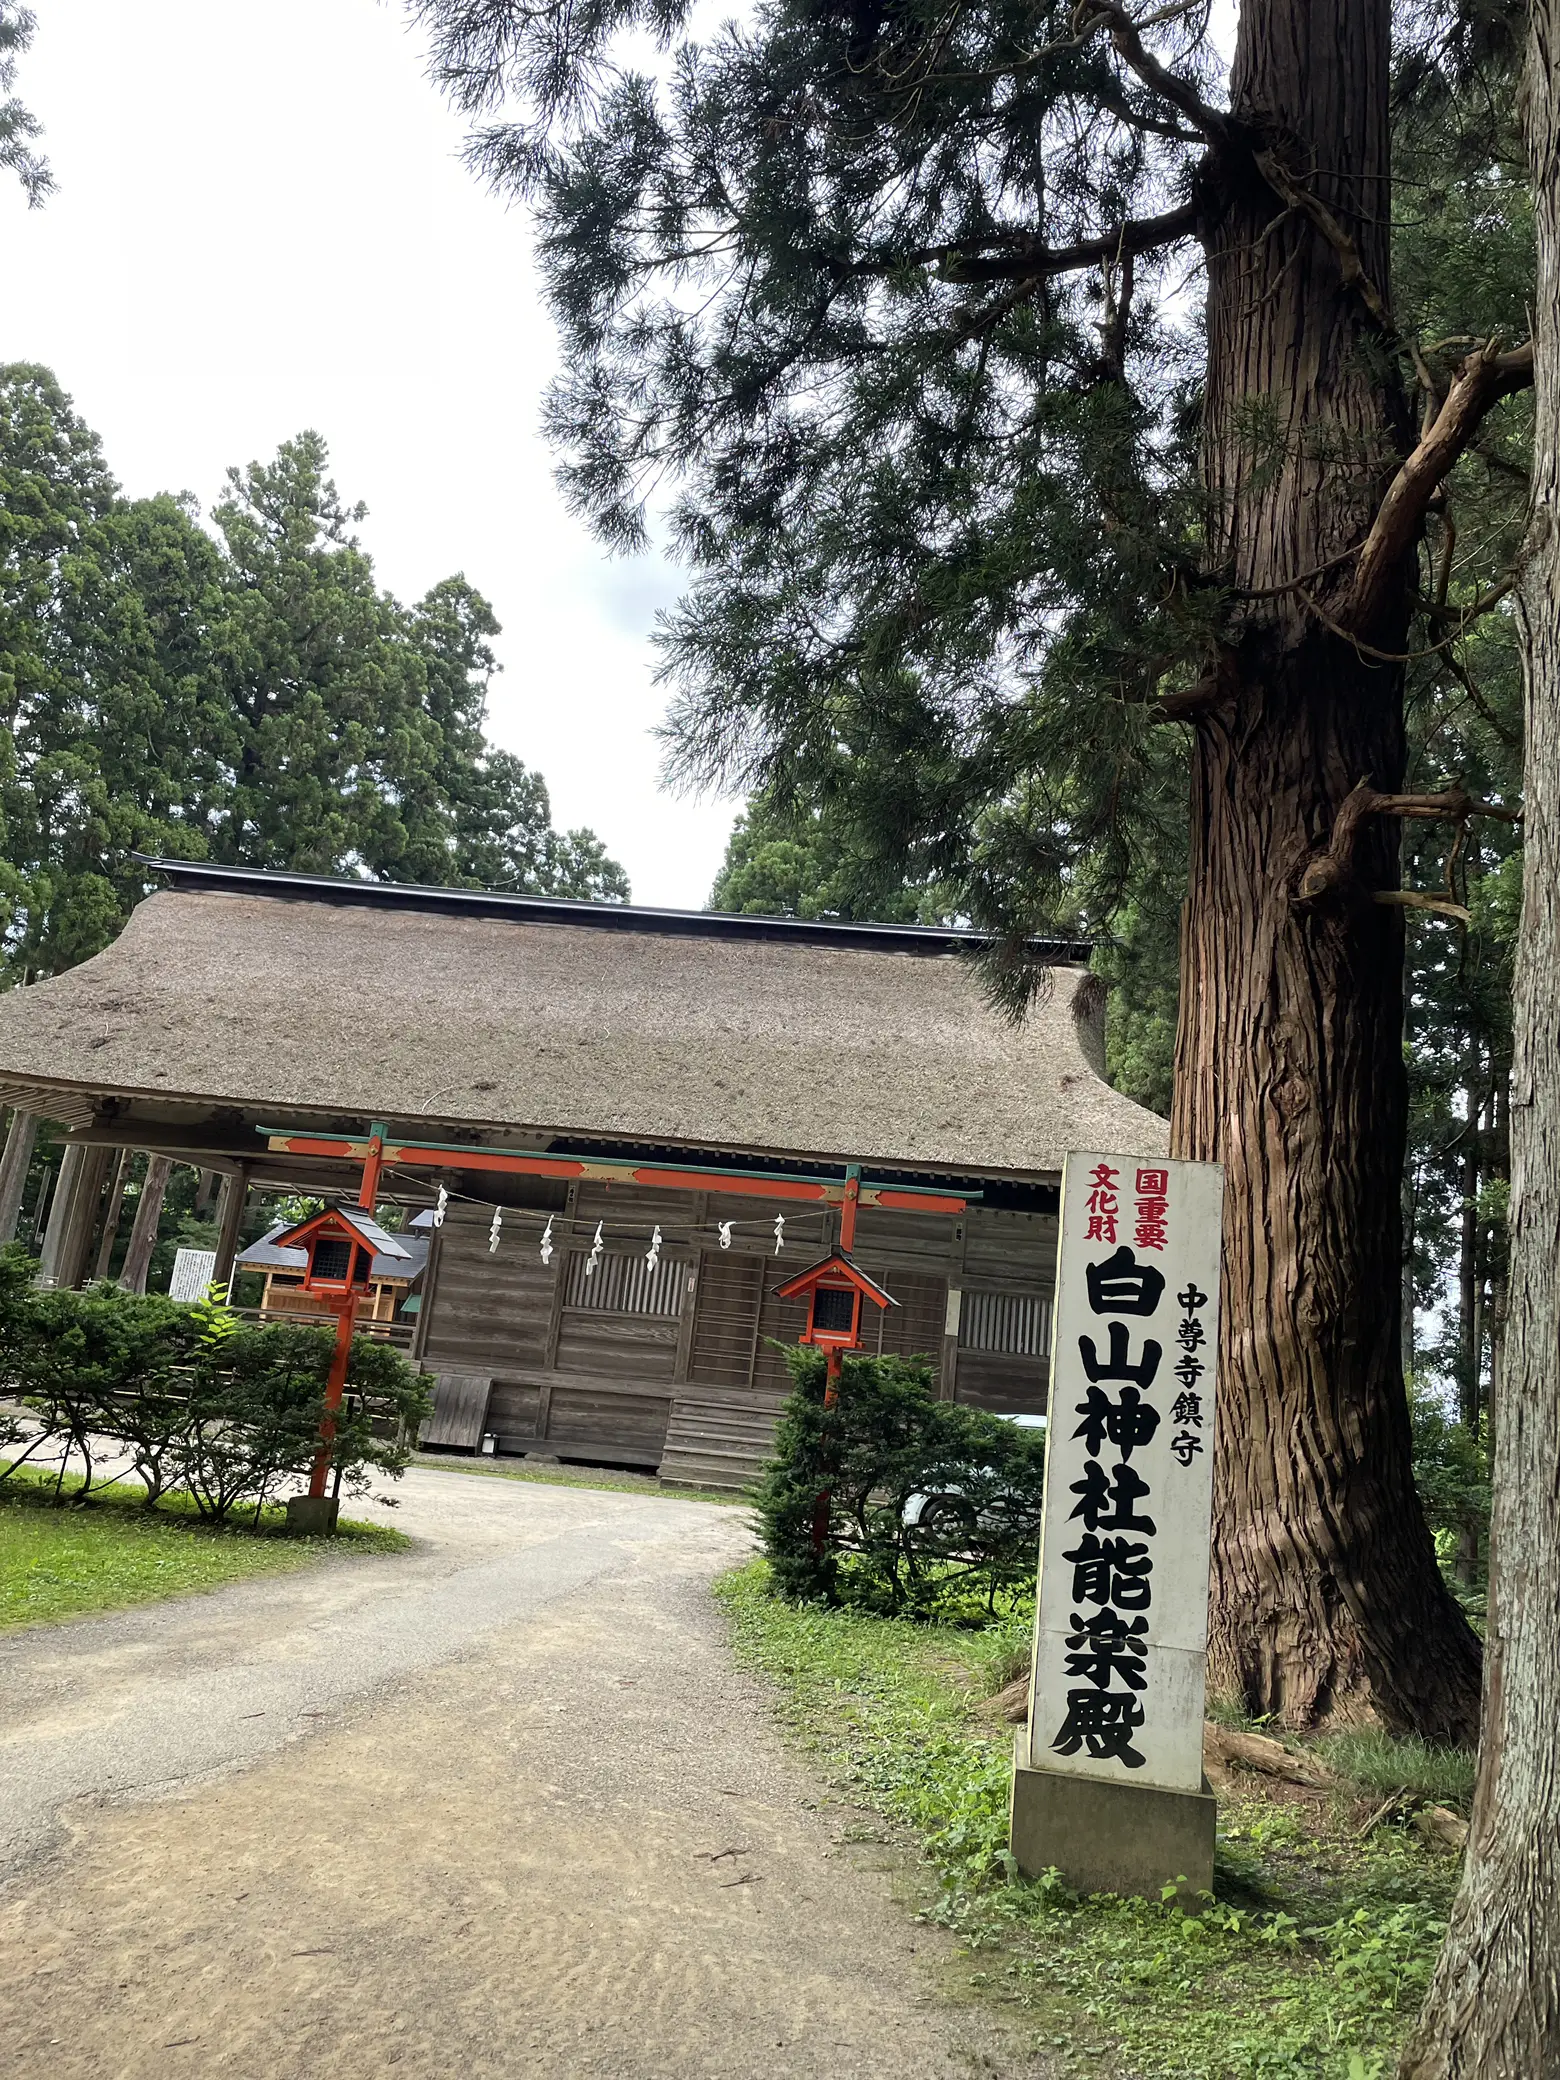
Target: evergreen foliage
{"points": [[940, 512], [18, 126], [207, 1405], [804, 863], [889, 1438], [248, 695]]}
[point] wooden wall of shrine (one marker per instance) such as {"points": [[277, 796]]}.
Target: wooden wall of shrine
{"points": [[674, 1366]]}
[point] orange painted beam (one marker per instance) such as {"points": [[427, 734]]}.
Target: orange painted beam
{"points": [[735, 1183]]}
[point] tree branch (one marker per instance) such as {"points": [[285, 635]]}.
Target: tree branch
{"points": [[1294, 191], [1129, 46], [1027, 258], [1484, 378], [1332, 872], [1412, 899]]}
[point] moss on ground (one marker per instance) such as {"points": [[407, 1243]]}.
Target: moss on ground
{"points": [[66, 1562], [1308, 1964]]}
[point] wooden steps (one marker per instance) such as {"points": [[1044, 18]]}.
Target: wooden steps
{"points": [[718, 1440]]}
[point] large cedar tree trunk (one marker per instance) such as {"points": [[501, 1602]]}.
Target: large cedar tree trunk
{"points": [[1493, 2011], [1327, 1602]]}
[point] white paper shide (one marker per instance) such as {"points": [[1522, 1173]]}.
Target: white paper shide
{"points": [[1122, 1624]]}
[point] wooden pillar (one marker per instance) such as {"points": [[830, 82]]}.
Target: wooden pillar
{"points": [[143, 1235], [230, 1216], [20, 1141], [73, 1216], [111, 1213]]}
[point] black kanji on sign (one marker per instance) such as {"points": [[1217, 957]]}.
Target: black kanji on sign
{"points": [[1102, 1644], [1186, 1446], [1191, 1335], [1128, 1422], [1190, 1300], [1121, 1285], [1107, 1499], [1187, 1408], [1104, 1721], [1119, 1364], [1112, 1570]]}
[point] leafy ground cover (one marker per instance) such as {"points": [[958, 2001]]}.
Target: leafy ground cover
{"points": [[65, 1562], [1308, 1964]]}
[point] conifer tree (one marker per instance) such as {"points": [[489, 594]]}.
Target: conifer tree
{"points": [[1493, 2009], [251, 696], [19, 127], [902, 297]]}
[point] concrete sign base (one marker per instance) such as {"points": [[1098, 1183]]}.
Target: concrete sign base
{"points": [[312, 1516], [1107, 1836]]}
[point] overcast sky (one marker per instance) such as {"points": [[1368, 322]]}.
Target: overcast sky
{"points": [[261, 225]]}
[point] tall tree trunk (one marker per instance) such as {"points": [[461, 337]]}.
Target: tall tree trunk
{"points": [[1327, 1602], [73, 1216], [1469, 1344], [111, 1215], [143, 1231], [1493, 2009], [20, 1141]]}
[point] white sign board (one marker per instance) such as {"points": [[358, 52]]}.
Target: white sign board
{"points": [[1121, 1627], [192, 1273]]}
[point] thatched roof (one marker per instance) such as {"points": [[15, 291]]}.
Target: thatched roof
{"points": [[289, 1003]]}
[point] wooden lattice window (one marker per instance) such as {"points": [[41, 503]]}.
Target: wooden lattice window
{"points": [[1018, 1324], [623, 1284]]}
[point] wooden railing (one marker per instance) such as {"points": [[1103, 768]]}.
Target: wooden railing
{"points": [[399, 1334]]}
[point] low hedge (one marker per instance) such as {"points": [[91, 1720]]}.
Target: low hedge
{"points": [[889, 1438], [205, 1404]]}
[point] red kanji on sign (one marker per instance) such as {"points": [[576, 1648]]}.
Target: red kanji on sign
{"points": [[1153, 1207]]}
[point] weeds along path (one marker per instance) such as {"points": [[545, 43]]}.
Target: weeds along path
{"points": [[500, 1805]]}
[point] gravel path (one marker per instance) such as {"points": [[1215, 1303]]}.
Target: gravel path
{"points": [[496, 1806]]}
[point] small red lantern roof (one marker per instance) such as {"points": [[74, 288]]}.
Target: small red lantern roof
{"points": [[834, 1290], [342, 1220], [834, 1271], [339, 1247]]}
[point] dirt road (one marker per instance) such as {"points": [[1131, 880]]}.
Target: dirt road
{"points": [[497, 1806]]}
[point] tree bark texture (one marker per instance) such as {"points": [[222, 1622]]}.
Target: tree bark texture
{"points": [[1327, 1604], [111, 1214], [1493, 2010], [231, 1204], [20, 1141], [143, 1231], [73, 1216]]}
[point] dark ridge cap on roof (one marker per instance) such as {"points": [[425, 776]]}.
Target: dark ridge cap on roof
{"points": [[610, 917]]}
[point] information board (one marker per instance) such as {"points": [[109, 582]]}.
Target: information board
{"points": [[192, 1273], [1121, 1626]]}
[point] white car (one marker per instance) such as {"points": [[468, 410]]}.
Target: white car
{"points": [[950, 1509]]}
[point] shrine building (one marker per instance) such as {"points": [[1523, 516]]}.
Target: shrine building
{"points": [[620, 1129]]}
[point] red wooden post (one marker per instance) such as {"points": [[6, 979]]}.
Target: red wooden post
{"points": [[346, 1323], [831, 1394], [335, 1387], [848, 1209]]}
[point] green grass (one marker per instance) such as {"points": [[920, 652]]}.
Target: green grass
{"points": [[1441, 1776], [578, 1477], [111, 1551], [1308, 1965]]}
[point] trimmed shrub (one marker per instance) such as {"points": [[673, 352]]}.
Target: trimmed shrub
{"points": [[889, 1439], [205, 1403]]}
